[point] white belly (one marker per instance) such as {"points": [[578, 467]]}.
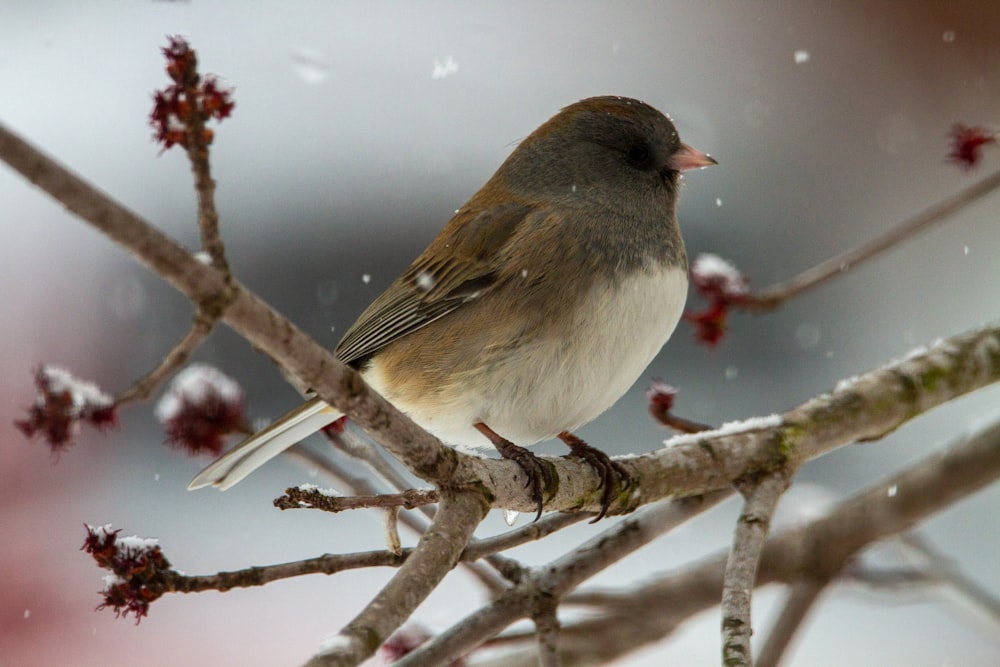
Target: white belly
{"points": [[555, 385]]}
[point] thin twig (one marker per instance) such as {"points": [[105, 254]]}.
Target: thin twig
{"points": [[761, 499], [309, 498], [364, 450], [363, 486], [177, 357], [771, 297], [801, 598], [529, 533], [392, 541], [197, 150], [260, 575]]}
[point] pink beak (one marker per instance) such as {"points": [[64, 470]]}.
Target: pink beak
{"points": [[687, 158]]}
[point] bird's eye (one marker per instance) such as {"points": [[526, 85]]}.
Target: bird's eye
{"points": [[638, 154]]}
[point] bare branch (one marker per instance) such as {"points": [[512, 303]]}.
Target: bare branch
{"points": [[363, 486], [761, 499], [816, 550], [528, 533], [547, 630], [865, 408], [772, 297], [260, 575], [559, 577], [876, 404], [312, 498], [458, 515], [392, 541], [177, 357], [943, 569]]}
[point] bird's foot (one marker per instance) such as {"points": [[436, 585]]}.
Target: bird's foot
{"points": [[539, 473], [611, 473]]}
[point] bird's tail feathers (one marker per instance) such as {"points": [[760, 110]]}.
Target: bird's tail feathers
{"points": [[230, 468]]}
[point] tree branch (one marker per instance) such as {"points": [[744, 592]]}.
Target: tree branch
{"points": [[871, 407], [772, 297], [559, 578], [177, 357], [761, 499], [298, 497], [437, 553], [817, 550]]}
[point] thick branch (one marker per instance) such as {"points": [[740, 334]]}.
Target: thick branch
{"points": [[817, 551], [243, 311], [559, 578], [873, 406], [439, 549]]}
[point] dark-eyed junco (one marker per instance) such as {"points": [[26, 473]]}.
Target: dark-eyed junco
{"points": [[538, 304]]}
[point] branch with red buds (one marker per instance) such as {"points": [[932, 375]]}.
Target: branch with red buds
{"points": [[200, 408], [63, 402], [722, 284], [139, 570], [179, 114], [181, 110], [967, 143], [661, 398], [718, 281]]}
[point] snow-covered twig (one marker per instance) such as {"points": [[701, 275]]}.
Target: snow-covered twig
{"points": [[307, 496]]}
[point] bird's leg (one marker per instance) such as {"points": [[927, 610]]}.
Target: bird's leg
{"points": [[538, 472], [611, 473]]}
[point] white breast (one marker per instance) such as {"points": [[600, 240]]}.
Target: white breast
{"points": [[560, 383]]}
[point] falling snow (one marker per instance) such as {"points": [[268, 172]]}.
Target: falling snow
{"points": [[311, 66], [425, 281], [444, 69]]}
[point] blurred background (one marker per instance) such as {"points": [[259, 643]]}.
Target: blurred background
{"points": [[359, 128]]}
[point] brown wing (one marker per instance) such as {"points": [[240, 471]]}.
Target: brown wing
{"points": [[458, 266]]}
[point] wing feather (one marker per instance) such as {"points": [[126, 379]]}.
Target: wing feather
{"points": [[431, 288]]}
